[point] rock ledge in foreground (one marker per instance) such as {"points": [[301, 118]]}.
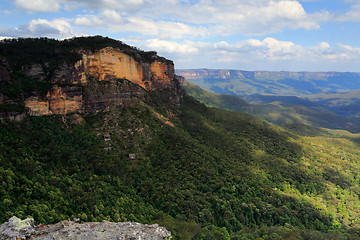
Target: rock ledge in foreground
{"points": [[25, 229]]}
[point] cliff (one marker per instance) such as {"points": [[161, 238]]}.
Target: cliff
{"points": [[98, 77], [25, 229]]}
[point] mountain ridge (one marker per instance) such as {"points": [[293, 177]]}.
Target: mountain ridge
{"points": [[286, 87], [68, 88], [311, 82], [293, 113], [164, 157]]}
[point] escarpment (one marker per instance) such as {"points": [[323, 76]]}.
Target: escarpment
{"points": [[96, 79]]}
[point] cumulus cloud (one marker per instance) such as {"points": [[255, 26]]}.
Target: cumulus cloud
{"points": [[38, 5], [269, 48], [89, 21], [323, 49], [252, 53], [56, 5], [171, 47], [267, 17], [40, 28], [251, 17], [182, 29], [225, 17], [115, 22], [124, 5]]}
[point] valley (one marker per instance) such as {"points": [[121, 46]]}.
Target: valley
{"points": [[335, 91], [81, 140]]}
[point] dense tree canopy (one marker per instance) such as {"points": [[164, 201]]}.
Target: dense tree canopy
{"points": [[215, 175]]}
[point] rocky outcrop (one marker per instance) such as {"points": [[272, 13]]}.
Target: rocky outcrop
{"points": [[16, 228], [109, 63], [57, 101], [25, 229], [74, 90]]}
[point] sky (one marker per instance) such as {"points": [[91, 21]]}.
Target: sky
{"points": [[269, 35]]}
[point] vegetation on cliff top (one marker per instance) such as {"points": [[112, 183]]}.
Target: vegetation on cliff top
{"points": [[21, 52], [19, 55]]}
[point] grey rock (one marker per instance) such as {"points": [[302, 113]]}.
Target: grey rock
{"points": [[84, 231], [17, 228]]}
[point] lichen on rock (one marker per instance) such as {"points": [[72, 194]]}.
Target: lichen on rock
{"points": [[66, 230], [16, 228]]}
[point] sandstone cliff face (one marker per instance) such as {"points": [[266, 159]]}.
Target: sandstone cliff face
{"points": [[57, 101], [77, 90], [109, 63]]}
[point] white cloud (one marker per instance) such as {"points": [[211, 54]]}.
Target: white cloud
{"points": [[56, 5], [171, 47], [247, 17], [349, 52], [349, 48], [2, 38], [353, 14], [174, 19], [58, 28], [183, 29], [123, 5], [113, 21], [322, 48], [252, 53], [225, 17], [38, 5], [269, 48], [89, 21]]}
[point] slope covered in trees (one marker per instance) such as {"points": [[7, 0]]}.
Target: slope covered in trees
{"points": [[304, 117], [214, 174], [204, 173]]}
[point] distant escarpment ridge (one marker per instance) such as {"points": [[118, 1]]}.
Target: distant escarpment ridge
{"points": [[284, 83], [337, 92], [80, 75]]}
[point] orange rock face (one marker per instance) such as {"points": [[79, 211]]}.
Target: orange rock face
{"points": [[61, 103], [161, 72], [107, 64], [37, 107], [56, 102]]}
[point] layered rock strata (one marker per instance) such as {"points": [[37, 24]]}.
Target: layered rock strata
{"points": [[77, 88]]}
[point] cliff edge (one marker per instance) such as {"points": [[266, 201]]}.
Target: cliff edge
{"points": [[80, 75], [16, 228]]}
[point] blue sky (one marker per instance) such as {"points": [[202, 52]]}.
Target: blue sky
{"points": [[308, 35]]}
